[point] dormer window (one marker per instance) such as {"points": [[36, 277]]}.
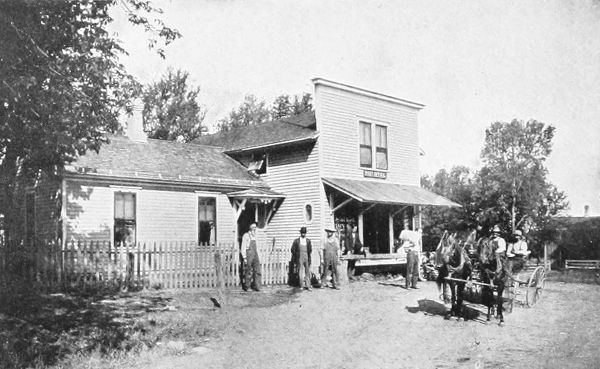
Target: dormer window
{"points": [[258, 165], [373, 146]]}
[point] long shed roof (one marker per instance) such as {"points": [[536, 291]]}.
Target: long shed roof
{"points": [[277, 132], [164, 161]]}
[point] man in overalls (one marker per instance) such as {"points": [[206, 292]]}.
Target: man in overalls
{"points": [[331, 247], [250, 260]]}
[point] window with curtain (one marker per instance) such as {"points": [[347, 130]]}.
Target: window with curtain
{"points": [[366, 150], [207, 220], [373, 146], [381, 153], [125, 219]]}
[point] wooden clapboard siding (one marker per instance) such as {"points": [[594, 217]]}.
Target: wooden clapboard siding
{"points": [[89, 212], [338, 113], [161, 215], [166, 216], [297, 177], [225, 224]]}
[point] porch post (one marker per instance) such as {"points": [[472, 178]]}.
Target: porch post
{"points": [[391, 227], [360, 228]]}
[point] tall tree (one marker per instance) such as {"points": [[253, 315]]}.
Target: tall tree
{"points": [[251, 111], [171, 110], [514, 188], [302, 104], [61, 85], [282, 107]]}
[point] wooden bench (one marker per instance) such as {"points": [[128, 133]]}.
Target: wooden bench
{"points": [[582, 264]]}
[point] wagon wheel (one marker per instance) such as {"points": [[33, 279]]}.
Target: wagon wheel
{"points": [[535, 286]]}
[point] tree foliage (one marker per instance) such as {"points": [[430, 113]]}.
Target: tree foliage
{"points": [[511, 189], [171, 110], [457, 185], [514, 188], [284, 107], [251, 111], [255, 111], [61, 84]]}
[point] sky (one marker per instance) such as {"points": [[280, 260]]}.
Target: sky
{"points": [[470, 62]]}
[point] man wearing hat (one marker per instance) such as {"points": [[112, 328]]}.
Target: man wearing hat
{"points": [[331, 247], [519, 247], [250, 260], [301, 250], [498, 242]]}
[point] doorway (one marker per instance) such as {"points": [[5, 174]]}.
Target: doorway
{"points": [[377, 230]]}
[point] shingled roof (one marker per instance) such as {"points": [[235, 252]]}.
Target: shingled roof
{"points": [[290, 129], [165, 161]]}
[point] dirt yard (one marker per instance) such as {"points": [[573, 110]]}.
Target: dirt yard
{"points": [[370, 324]]}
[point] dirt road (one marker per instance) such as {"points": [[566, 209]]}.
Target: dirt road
{"points": [[372, 325]]}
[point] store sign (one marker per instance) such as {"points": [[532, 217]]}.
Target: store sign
{"points": [[374, 174]]}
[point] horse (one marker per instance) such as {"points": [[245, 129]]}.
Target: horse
{"points": [[455, 263], [496, 269]]}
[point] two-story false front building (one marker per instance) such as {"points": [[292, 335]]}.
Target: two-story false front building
{"points": [[355, 160]]}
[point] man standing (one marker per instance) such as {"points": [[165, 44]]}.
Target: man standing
{"points": [[331, 247], [411, 242], [250, 260], [301, 250], [353, 246]]}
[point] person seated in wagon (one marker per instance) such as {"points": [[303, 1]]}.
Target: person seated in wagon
{"points": [[519, 247]]}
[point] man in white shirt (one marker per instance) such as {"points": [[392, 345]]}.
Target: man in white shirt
{"points": [[411, 242], [519, 247], [249, 251], [498, 241]]}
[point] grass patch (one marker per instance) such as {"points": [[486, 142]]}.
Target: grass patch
{"points": [[574, 276], [107, 329]]}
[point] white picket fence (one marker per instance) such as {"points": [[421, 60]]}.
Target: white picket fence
{"points": [[169, 265]]}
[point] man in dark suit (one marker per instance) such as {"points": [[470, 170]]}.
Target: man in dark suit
{"points": [[353, 246], [301, 250]]}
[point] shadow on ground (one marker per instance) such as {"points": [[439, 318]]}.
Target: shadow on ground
{"points": [[40, 329], [430, 307]]}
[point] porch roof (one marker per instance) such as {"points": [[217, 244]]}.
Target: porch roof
{"points": [[387, 193]]}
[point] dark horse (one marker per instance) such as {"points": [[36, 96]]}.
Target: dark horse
{"points": [[453, 262], [496, 269]]}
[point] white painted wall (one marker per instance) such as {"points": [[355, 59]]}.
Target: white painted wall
{"points": [[338, 114], [161, 215]]}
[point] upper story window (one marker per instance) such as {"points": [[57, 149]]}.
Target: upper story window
{"points": [[125, 219], [373, 146], [258, 164]]}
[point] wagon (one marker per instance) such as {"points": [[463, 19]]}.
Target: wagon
{"points": [[524, 287]]}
